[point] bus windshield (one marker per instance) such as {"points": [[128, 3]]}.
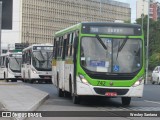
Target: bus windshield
{"points": [[42, 60], [15, 64], [115, 55]]}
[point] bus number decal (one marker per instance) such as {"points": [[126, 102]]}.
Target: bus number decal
{"points": [[101, 83]]}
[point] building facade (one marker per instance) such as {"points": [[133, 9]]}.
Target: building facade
{"points": [[158, 11], [154, 9], [40, 19], [153, 13], [141, 8]]}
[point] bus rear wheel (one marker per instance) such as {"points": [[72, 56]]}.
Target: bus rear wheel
{"points": [[76, 99], [5, 78], [126, 101], [59, 90]]}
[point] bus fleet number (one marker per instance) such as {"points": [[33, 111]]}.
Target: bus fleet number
{"points": [[101, 83]]}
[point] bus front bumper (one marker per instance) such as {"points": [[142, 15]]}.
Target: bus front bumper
{"points": [[89, 90]]}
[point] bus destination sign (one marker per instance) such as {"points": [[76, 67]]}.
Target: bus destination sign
{"points": [[43, 48], [112, 30]]}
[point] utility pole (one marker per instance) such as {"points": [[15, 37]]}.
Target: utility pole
{"points": [[100, 7], [147, 49], [0, 26]]}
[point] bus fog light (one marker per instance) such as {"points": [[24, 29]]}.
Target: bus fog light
{"points": [[83, 79], [139, 82]]}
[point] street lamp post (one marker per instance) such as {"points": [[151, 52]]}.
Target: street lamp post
{"points": [[100, 7], [147, 47]]}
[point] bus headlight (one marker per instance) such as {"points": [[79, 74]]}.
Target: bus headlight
{"points": [[83, 80], [139, 82]]}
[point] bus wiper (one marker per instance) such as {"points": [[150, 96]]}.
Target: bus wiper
{"points": [[42, 55], [120, 47], [100, 40], [17, 61]]}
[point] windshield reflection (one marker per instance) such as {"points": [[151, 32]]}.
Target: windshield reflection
{"points": [[42, 60], [94, 57], [15, 64]]}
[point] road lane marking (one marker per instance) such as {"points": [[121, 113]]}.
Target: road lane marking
{"points": [[152, 102]]}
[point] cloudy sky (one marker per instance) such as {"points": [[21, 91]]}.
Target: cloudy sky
{"points": [[133, 7]]}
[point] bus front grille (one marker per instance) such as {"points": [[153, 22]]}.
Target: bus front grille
{"points": [[102, 91]]}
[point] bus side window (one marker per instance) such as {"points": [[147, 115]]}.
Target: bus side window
{"points": [[61, 47], [75, 36], [67, 44], [70, 45], [0, 61], [23, 58], [29, 56], [54, 49], [3, 62], [58, 47], [75, 45], [64, 47], [6, 63]]}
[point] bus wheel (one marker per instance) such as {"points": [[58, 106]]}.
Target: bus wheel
{"points": [[153, 82], [76, 99], [126, 101], [13, 80], [158, 81], [60, 92], [5, 78], [31, 81]]}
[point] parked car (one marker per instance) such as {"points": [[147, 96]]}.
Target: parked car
{"points": [[156, 75]]}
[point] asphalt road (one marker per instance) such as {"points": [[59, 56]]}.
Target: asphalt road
{"points": [[151, 99], [149, 102]]}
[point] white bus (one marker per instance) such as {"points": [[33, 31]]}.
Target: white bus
{"points": [[10, 66], [36, 63]]}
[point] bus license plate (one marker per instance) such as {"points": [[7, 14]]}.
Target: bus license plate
{"points": [[111, 94]]}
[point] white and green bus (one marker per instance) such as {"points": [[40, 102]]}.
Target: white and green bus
{"points": [[99, 59]]}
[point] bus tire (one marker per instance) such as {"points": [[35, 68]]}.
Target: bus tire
{"points": [[70, 87], [126, 101], [59, 91], [69, 93], [153, 82], [13, 80], [76, 99], [5, 77], [158, 81], [29, 78]]}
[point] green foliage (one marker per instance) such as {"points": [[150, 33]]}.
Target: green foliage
{"points": [[154, 40], [154, 60]]}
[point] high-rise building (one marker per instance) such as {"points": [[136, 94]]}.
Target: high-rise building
{"points": [[158, 11], [36, 21], [153, 13], [142, 9]]}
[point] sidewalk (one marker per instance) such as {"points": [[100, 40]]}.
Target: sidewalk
{"points": [[20, 97]]}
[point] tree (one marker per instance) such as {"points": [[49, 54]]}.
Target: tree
{"points": [[154, 40]]}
